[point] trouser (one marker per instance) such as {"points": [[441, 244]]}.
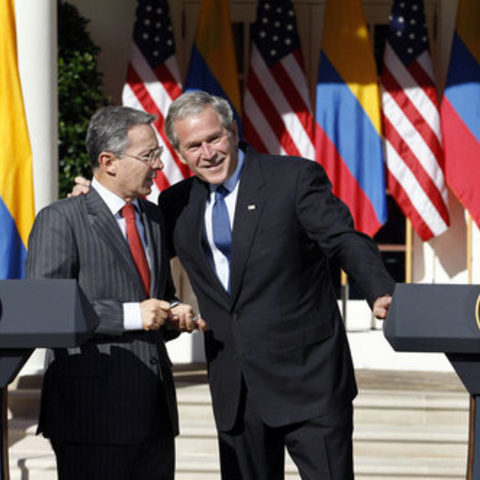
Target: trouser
{"points": [[321, 447]]}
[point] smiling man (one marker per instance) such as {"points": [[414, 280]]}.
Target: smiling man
{"points": [[255, 234], [109, 407]]}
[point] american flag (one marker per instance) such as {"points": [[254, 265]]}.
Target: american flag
{"points": [[153, 79], [411, 122], [277, 114]]}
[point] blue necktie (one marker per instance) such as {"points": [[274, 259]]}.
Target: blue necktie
{"points": [[222, 233]]}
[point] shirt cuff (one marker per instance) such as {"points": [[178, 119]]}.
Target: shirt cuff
{"points": [[132, 316]]}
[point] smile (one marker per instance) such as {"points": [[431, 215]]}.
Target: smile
{"points": [[214, 164]]}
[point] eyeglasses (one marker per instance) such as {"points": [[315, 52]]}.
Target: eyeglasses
{"points": [[149, 158]]}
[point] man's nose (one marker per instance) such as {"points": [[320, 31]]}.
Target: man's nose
{"points": [[157, 164], [207, 150]]}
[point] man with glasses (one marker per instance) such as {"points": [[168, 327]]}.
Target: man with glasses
{"points": [[109, 407]]}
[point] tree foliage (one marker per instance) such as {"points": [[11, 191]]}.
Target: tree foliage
{"points": [[79, 93]]}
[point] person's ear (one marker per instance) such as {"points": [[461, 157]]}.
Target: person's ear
{"points": [[180, 156], [108, 162]]}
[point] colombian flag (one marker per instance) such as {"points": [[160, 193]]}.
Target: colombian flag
{"points": [[213, 67], [348, 136], [16, 181], [461, 109]]}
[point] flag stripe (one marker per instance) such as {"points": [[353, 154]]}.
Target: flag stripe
{"points": [[213, 61], [428, 90], [463, 86], [212, 66], [267, 141], [161, 180], [400, 81], [409, 172], [404, 201], [253, 136], [360, 149], [347, 45], [271, 87], [174, 169], [285, 72], [345, 185], [420, 201], [413, 144], [399, 99], [16, 177], [277, 111], [411, 121], [348, 112], [153, 81], [462, 166], [258, 92]]}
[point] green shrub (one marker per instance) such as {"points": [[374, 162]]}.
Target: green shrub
{"points": [[79, 93]]}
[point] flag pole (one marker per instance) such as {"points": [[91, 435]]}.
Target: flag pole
{"points": [[408, 251], [469, 248], [473, 429]]}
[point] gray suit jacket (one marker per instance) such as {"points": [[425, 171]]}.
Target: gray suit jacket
{"points": [[117, 387]]}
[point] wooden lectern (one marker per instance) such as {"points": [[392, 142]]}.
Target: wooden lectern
{"points": [[443, 318], [41, 313]]}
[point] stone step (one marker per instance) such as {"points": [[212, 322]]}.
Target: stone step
{"points": [[399, 468], [23, 402], [389, 407], [201, 436], [401, 431], [369, 441], [40, 465]]}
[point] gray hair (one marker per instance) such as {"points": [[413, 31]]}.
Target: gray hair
{"points": [[194, 103], [108, 130]]}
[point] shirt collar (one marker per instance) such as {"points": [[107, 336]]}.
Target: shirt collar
{"points": [[113, 201]]}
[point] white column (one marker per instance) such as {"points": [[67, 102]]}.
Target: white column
{"points": [[37, 55]]}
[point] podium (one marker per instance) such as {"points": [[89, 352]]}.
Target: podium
{"points": [[443, 318], [40, 313]]}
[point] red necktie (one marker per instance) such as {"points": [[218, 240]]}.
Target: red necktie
{"points": [[136, 246]]}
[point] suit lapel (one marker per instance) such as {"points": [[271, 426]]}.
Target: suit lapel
{"points": [[250, 201], [103, 222], [154, 245]]}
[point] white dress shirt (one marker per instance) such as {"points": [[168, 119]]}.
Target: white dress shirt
{"points": [[132, 316], [219, 261]]}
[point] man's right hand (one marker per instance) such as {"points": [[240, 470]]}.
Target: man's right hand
{"points": [[154, 313], [82, 187]]}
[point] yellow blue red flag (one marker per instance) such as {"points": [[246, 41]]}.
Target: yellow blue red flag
{"points": [[348, 135], [16, 179], [460, 109], [213, 66]]}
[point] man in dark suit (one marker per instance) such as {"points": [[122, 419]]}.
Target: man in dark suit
{"points": [[256, 251], [109, 406]]}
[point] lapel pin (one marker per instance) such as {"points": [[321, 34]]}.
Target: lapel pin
{"points": [[252, 207]]}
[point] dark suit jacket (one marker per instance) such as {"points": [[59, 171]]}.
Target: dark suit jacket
{"points": [[109, 390], [280, 329]]}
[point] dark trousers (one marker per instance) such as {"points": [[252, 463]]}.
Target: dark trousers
{"points": [[320, 447], [152, 460]]}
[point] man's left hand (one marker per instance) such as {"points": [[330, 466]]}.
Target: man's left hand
{"points": [[183, 319], [381, 306]]}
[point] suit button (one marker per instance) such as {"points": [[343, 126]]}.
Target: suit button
{"points": [[153, 360], [235, 317]]}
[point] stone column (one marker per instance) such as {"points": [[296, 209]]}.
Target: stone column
{"points": [[37, 55]]}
